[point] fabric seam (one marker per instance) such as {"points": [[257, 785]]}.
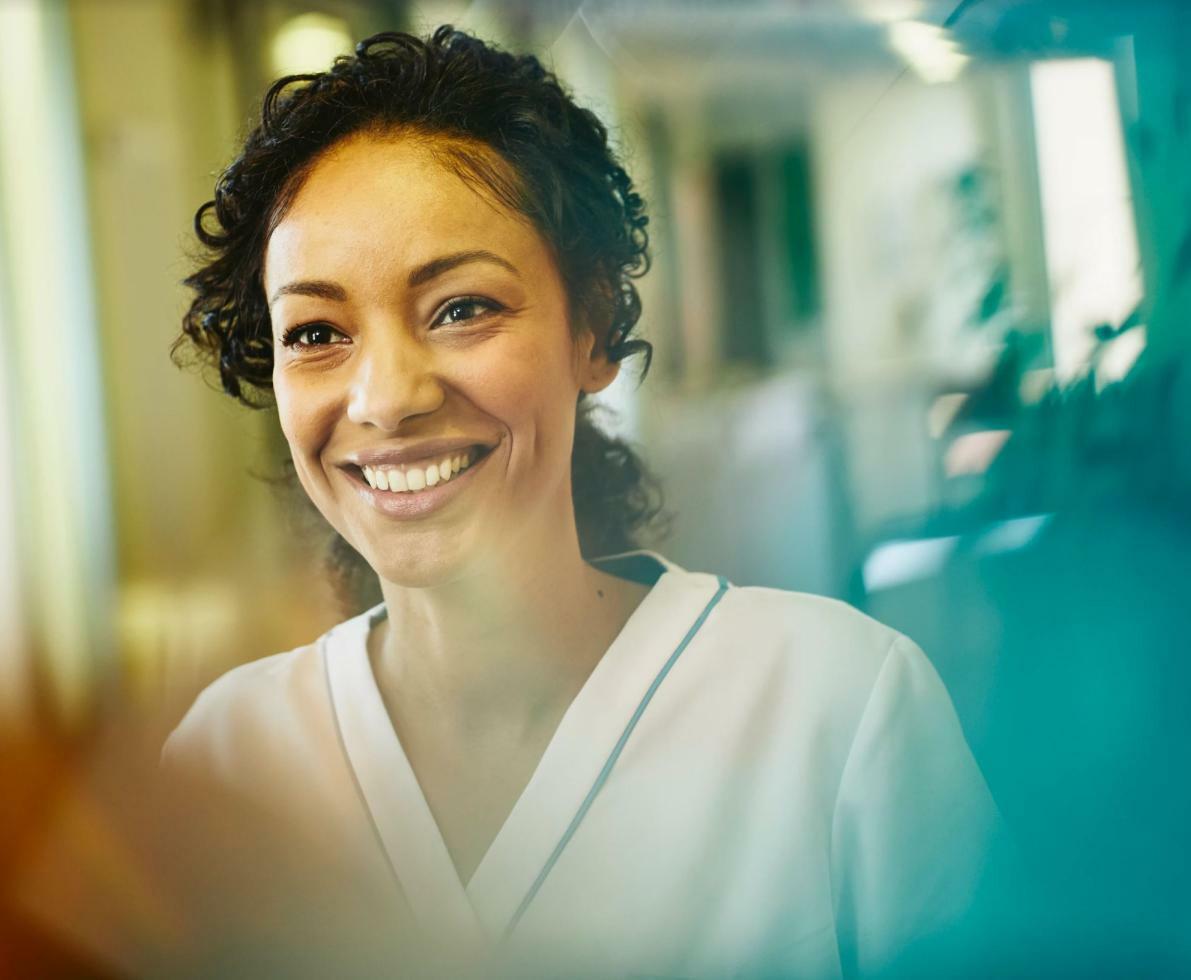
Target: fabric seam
{"points": [[351, 766], [843, 778], [602, 778]]}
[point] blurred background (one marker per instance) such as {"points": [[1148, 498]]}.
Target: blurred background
{"points": [[920, 303]]}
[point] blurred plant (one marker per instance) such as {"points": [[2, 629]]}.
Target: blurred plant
{"points": [[980, 216], [1112, 437], [1097, 440]]}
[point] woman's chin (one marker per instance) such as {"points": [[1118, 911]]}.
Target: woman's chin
{"points": [[416, 568]]}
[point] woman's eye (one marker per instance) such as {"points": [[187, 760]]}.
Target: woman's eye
{"points": [[464, 308], [310, 335]]}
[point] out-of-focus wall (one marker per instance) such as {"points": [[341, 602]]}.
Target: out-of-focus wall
{"points": [[56, 593], [207, 578]]}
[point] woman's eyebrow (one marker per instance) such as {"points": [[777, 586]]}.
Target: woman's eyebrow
{"points": [[320, 288], [444, 263], [324, 289]]}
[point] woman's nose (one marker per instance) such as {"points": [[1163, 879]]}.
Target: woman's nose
{"points": [[395, 380]]}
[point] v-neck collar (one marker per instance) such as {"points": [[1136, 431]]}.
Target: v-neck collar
{"points": [[576, 761]]}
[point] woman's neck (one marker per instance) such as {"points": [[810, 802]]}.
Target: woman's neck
{"points": [[504, 645]]}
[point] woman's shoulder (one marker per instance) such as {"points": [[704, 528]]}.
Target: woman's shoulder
{"points": [[757, 621], [823, 660], [817, 632], [773, 635], [260, 709], [806, 615]]}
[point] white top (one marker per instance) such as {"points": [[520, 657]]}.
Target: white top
{"points": [[750, 779]]}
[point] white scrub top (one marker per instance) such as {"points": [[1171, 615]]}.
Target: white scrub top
{"points": [[751, 781]]}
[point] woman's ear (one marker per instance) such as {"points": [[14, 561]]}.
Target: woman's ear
{"points": [[596, 369]]}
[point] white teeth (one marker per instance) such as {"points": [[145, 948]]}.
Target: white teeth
{"points": [[396, 480]]}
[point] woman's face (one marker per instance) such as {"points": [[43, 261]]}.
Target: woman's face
{"points": [[421, 341]]}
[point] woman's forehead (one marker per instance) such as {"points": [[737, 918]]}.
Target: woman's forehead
{"points": [[387, 200], [386, 176]]}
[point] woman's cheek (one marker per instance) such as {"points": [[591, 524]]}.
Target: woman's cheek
{"points": [[291, 424], [304, 411], [500, 383]]}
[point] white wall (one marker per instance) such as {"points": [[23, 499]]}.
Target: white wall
{"points": [[882, 156]]}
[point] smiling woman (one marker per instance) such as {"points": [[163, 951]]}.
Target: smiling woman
{"points": [[546, 751], [402, 346]]}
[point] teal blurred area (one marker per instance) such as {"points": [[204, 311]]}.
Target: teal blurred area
{"points": [[921, 304]]}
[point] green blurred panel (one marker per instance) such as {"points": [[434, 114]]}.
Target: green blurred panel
{"points": [[743, 311], [798, 234]]}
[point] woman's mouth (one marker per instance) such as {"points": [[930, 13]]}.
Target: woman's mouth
{"points": [[420, 476], [415, 489]]}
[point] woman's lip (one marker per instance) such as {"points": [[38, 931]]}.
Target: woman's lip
{"points": [[406, 505], [421, 453]]}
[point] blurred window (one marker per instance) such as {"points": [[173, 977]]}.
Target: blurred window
{"points": [[55, 436], [1087, 207], [768, 261]]}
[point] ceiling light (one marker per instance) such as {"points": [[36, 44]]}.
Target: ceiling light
{"points": [[929, 50], [309, 43]]}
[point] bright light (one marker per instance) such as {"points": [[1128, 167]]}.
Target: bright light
{"points": [[928, 49], [1035, 385], [943, 411], [973, 453], [1011, 535], [898, 562], [1092, 255], [1119, 355], [890, 11], [63, 539], [309, 43]]}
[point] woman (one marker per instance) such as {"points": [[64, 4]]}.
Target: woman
{"points": [[533, 752]]}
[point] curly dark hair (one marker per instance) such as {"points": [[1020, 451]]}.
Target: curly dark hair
{"points": [[478, 107]]}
